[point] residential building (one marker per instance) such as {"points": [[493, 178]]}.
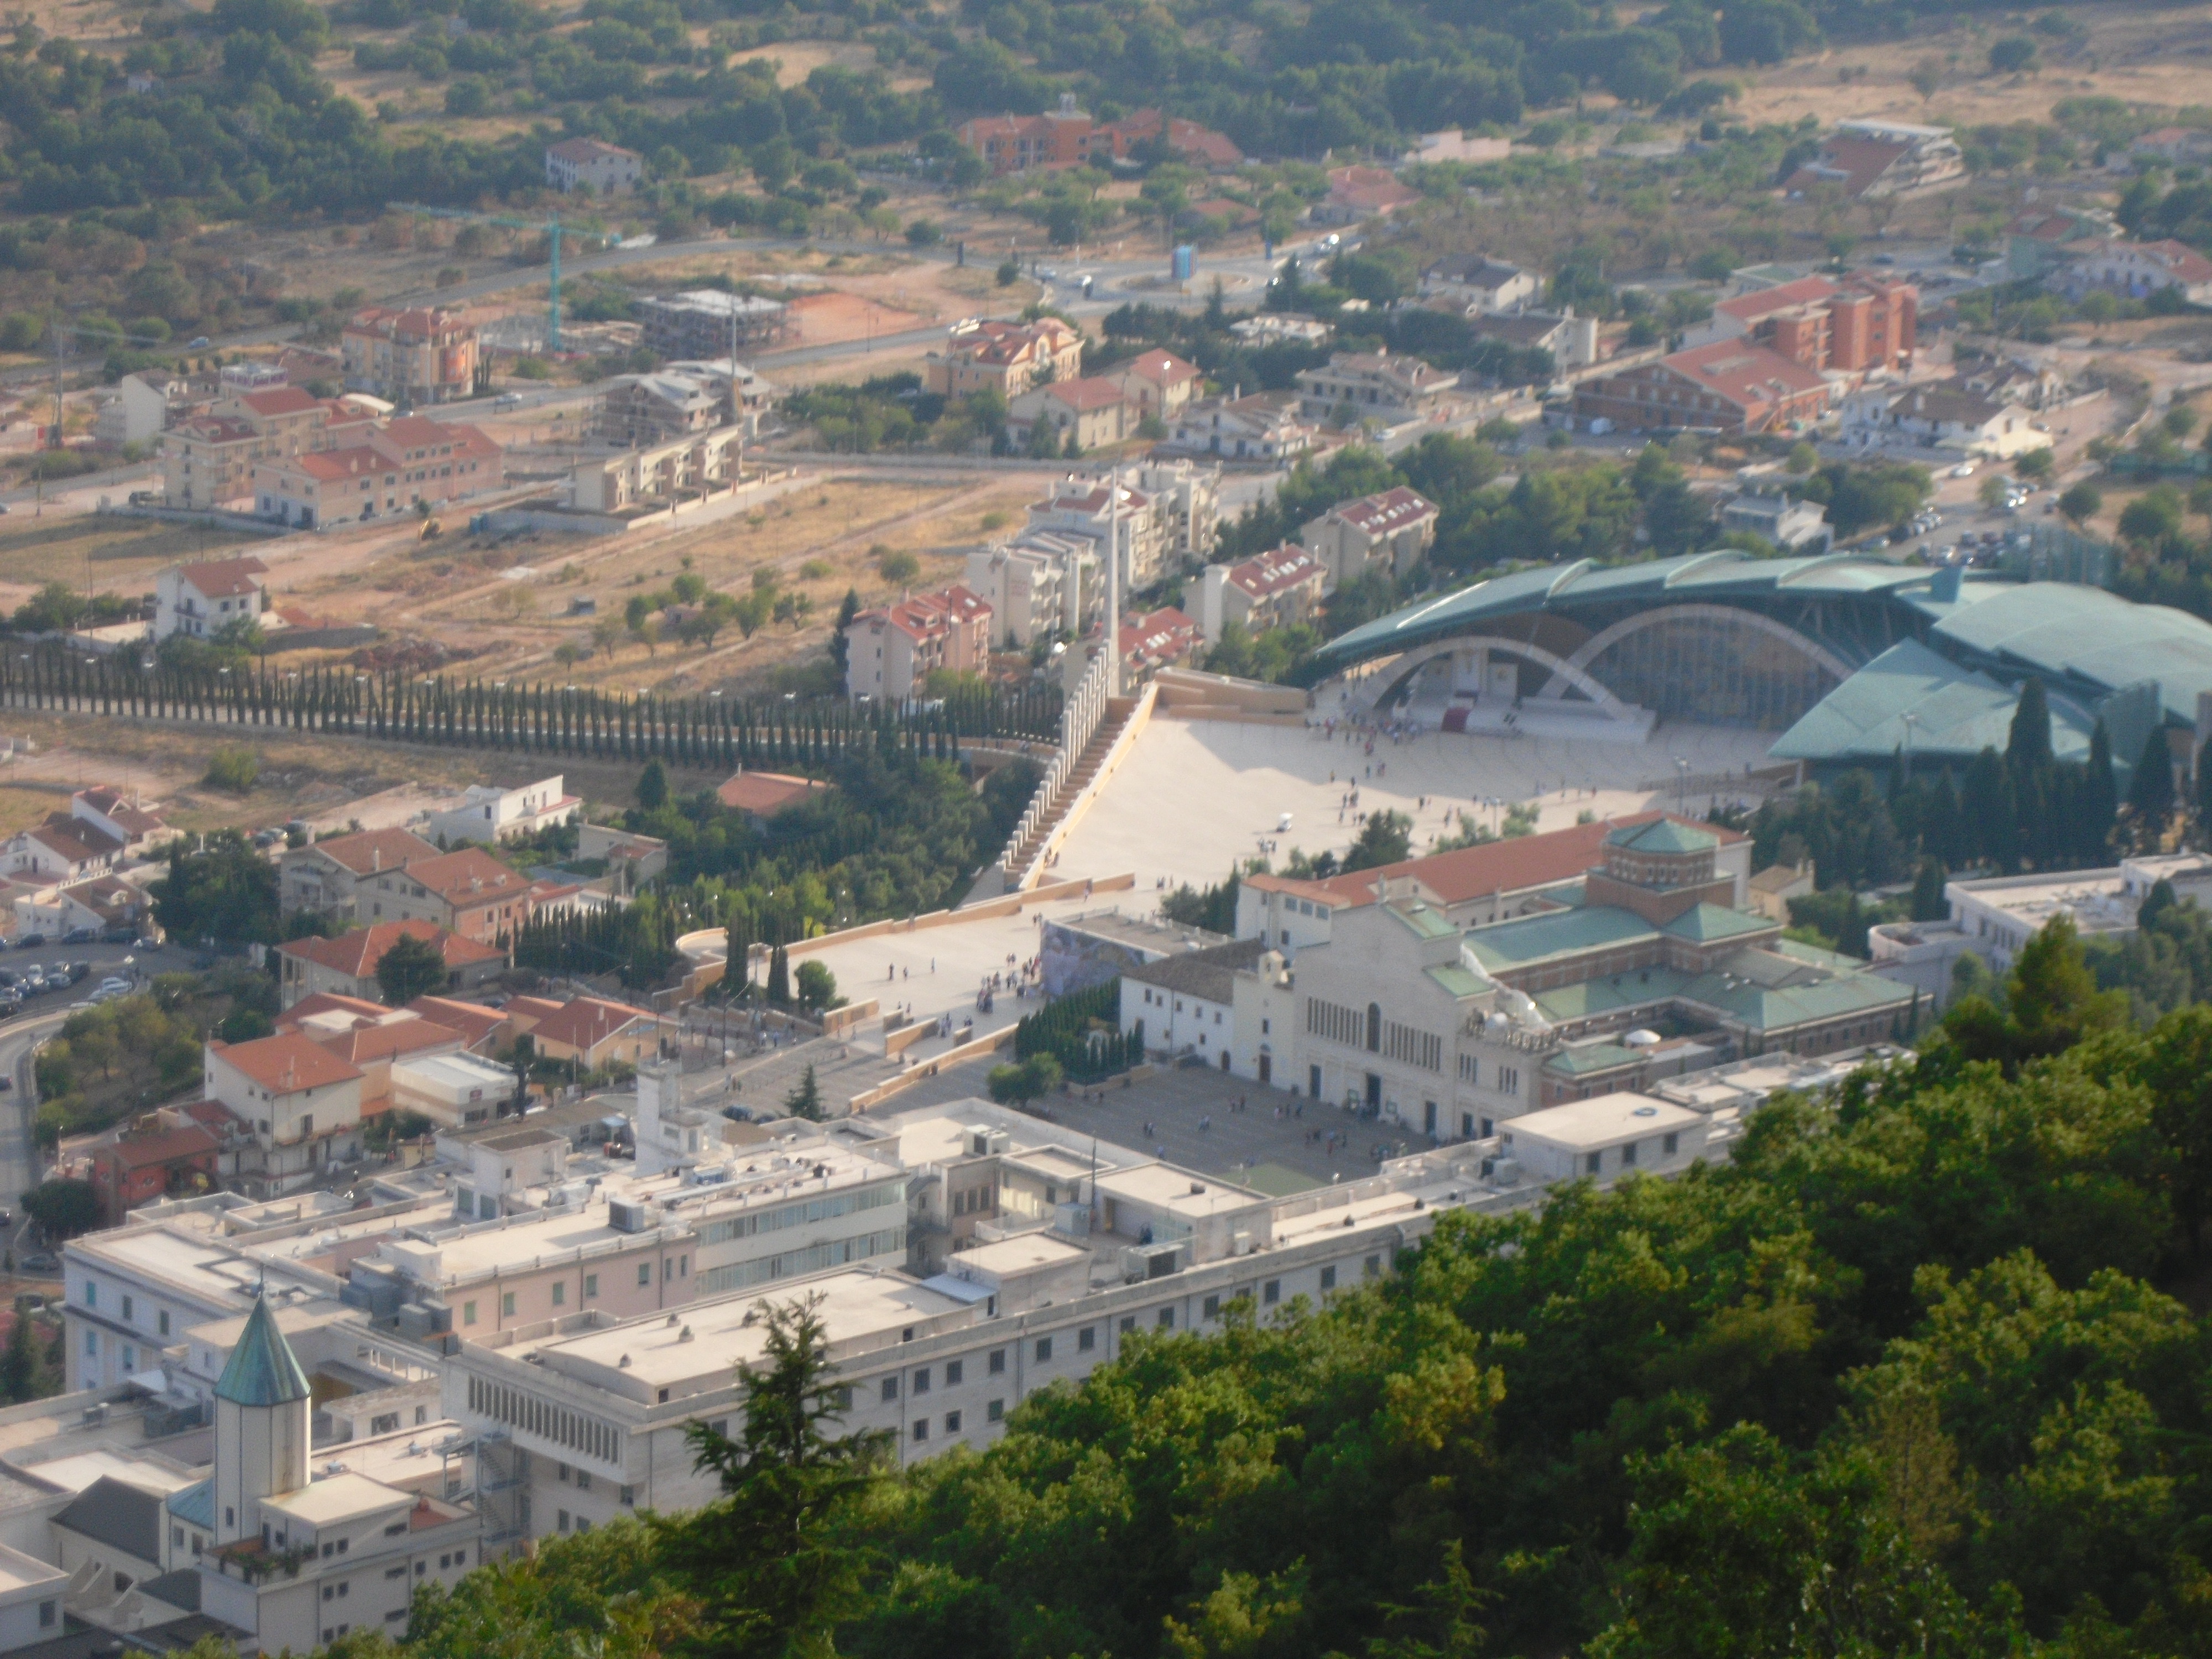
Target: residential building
{"points": [[632, 860], [704, 325], [377, 1042], [1158, 384], [1947, 416], [2139, 269], [2041, 242], [64, 848], [399, 465], [492, 813], [593, 167], [597, 1034], [762, 797], [891, 651], [108, 810], [1858, 323], [450, 1088], [163, 1154], [1361, 385], [1171, 136], [140, 409], [1393, 530], [1869, 159], [421, 355], [1092, 411], [1611, 1134], [1136, 525], [325, 874], [1062, 137], [1188, 1003], [104, 904], [1007, 358], [1034, 586], [1278, 589], [1773, 889], [1184, 497], [346, 966], [1481, 284], [1361, 192], [2174, 146], [300, 1105], [1727, 387], [1165, 638], [1572, 341], [469, 892], [200, 600], [658, 475], [1790, 524], [1266, 426], [679, 400], [209, 459]]}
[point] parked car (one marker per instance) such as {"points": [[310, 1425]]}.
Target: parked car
{"points": [[29, 941], [79, 971], [80, 936]]}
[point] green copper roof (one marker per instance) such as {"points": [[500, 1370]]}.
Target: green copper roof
{"points": [[1459, 982], [263, 1370], [1662, 835], [1914, 701], [1707, 923], [1585, 1057], [1421, 921], [1515, 944]]}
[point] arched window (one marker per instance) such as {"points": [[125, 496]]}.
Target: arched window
{"points": [[1374, 1028]]}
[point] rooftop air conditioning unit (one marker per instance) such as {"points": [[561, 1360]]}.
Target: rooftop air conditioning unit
{"points": [[625, 1216], [1142, 1262]]}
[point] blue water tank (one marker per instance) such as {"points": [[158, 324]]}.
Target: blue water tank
{"points": [[1186, 257]]}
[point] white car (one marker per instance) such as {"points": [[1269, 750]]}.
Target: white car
{"points": [[1964, 470]]}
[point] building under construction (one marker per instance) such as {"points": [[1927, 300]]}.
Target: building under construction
{"points": [[706, 323]]}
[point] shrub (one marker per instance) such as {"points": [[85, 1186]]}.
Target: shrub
{"points": [[232, 771]]}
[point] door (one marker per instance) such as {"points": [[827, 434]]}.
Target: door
{"points": [[1428, 1119], [1266, 1068], [1374, 1094]]}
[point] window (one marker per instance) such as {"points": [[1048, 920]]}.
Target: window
{"points": [[661, 1398], [998, 1362], [564, 1523], [921, 1379], [952, 1422], [91, 1294], [1043, 1349], [1128, 1323], [48, 1612], [1272, 1292], [1328, 1278], [995, 1412], [629, 1497], [507, 1305], [1509, 1079], [921, 1428], [126, 1308], [468, 1313], [954, 1371], [1373, 1267], [1213, 1308], [583, 1481], [890, 1389], [176, 1538], [1166, 1319], [645, 1272], [1628, 1155], [590, 1285], [1086, 1338], [92, 1345], [1593, 1162], [399, 1572], [560, 1293], [560, 1472], [1666, 1146], [161, 1321]]}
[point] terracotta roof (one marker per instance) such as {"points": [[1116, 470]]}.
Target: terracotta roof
{"points": [[2184, 261], [114, 804], [1468, 872], [1161, 368], [110, 898], [137, 1151], [74, 839], [224, 578], [535, 1010], [469, 876], [588, 149], [472, 1020], [368, 851], [332, 465], [1766, 301], [1276, 572], [1091, 392], [1858, 162], [1161, 636], [1373, 189], [766, 793], [587, 1021], [356, 953], [1747, 375], [1382, 515], [286, 1063], [365, 1043], [280, 400]]}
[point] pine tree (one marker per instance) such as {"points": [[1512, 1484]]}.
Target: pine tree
{"points": [[2150, 792], [806, 1099], [19, 1361]]}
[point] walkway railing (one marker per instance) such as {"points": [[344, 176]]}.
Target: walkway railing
{"points": [[1080, 718]]}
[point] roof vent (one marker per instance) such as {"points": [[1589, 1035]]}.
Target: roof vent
{"points": [[623, 1363], [684, 1336]]}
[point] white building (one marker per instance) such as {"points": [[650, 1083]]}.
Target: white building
{"points": [[139, 408], [1789, 525], [2139, 269], [1390, 531], [489, 813], [1266, 426], [1043, 584], [300, 1104], [451, 1089], [1375, 386], [592, 165], [1610, 1135], [1481, 284], [199, 600], [1948, 417]]}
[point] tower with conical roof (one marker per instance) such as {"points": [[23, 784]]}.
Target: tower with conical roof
{"points": [[262, 1410]]}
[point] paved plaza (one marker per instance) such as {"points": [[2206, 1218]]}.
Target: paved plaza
{"points": [[1253, 1147], [1197, 798]]}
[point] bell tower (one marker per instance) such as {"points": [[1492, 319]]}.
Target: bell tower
{"points": [[262, 1411]]}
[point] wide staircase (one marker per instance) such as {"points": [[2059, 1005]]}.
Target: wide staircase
{"points": [[1019, 866]]}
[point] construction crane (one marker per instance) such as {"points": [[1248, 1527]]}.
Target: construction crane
{"points": [[554, 230]]}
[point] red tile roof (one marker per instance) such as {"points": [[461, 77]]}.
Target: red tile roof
{"points": [[472, 1020], [1468, 872], [1384, 515], [766, 793], [280, 400], [368, 851], [1091, 392], [285, 1064], [468, 877], [137, 1151], [365, 1043], [586, 1021], [1373, 190], [1747, 375], [588, 149], [1161, 368], [1766, 301], [224, 578], [1276, 572], [356, 953]]}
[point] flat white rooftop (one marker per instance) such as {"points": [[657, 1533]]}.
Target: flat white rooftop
{"points": [[336, 1498], [22, 1574], [1603, 1121], [1023, 1252]]}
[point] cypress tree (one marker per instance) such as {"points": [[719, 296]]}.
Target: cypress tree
{"points": [[1985, 809], [1927, 902], [779, 977], [2150, 792], [2203, 794]]}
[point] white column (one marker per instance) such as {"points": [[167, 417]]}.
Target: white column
{"points": [[1112, 643]]}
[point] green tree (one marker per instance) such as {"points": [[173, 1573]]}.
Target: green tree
{"points": [[779, 977], [771, 1560], [1929, 904], [63, 1208], [804, 1099], [2081, 503], [223, 889], [1031, 1079], [2015, 54], [653, 787], [2150, 792], [816, 988], [21, 1369], [1385, 838], [411, 968], [234, 771]]}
